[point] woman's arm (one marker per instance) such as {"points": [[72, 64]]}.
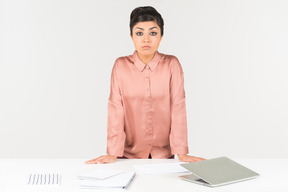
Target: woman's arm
{"points": [[178, 133], [115, 125]]}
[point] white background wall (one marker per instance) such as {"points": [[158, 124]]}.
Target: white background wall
{"points": [[57, 55]]}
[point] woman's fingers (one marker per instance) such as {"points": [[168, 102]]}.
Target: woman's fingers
{"points": [[93, 161], [188, 158], [102, 159]]}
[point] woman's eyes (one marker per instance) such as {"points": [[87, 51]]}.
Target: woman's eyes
{"points": [[153, 33], [141, 33]]}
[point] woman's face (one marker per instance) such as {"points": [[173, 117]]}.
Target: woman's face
{"points": [[146, 37]]}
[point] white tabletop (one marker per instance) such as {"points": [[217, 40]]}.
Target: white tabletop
{"points": [[14, 173]]}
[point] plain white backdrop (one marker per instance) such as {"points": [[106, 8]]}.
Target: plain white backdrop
{"points": [[57, 55]]}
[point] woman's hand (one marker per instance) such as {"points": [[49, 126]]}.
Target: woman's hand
{"points": [[188, 158], [102, 159]]}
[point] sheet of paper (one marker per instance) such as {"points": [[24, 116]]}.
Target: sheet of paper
{"points": [[160, 168], [121, 181], [101, 173]]}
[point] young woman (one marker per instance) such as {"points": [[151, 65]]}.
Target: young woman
{"points": [[146, 107]]}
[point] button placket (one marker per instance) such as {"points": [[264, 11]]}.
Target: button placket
{"points": [[148, 104]]}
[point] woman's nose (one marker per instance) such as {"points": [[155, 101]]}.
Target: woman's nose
{"points": [[146, 39]]}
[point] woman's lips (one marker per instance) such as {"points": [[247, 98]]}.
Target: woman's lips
{"points": [[146, 47]]}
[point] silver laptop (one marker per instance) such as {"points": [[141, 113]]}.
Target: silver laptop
{"points": [[217, 172]]}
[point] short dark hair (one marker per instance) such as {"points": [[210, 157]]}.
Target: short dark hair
{"points": [[146, 13]]}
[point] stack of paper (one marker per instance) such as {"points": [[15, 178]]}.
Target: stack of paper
{"points": [[99, 174], [106, 179]]}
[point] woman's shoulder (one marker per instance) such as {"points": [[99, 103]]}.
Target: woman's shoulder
{"points": [[169, 58], [124, 59], [172, 62], [122, 62]]}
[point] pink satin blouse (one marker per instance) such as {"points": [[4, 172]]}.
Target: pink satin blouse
{"points": [[146, 108]]}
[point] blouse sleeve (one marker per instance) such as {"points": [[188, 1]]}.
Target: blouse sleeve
{"points": [[115, 125], [178, 134]]}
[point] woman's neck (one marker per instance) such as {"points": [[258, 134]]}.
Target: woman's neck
{"points": [[146, 58]]}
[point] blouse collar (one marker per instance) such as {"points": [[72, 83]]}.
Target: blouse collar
{"points": [[152, 64]]}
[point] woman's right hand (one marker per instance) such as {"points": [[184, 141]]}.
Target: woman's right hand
{"points": [[102, 159]]}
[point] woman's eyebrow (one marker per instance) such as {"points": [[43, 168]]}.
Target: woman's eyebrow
{"points": [[149, 29], [140, 28], [153, 28]]}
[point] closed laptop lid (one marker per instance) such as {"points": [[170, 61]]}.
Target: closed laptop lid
{"points": [[220, 171]]}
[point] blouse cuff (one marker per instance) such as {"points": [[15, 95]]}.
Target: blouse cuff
{"points": [[179, 150], [115, 152]]}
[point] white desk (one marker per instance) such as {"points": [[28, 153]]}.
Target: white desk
{"points": [[13, 176]]}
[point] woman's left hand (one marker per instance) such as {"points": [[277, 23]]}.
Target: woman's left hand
{"points": [[188, 158]]}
